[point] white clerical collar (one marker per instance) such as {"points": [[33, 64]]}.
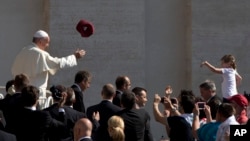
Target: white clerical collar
{"points": [[84, 138], [107, 100], [33, 108]]}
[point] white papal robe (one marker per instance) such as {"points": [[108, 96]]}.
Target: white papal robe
{"points": [[37, 64]]}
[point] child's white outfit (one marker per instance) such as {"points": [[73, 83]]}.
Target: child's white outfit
{"points": [[228, 86]]}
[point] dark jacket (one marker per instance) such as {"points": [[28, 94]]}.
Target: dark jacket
{"points": [[137, 125], [71, 116], [79, 103], [35, 125], [106, 109]]}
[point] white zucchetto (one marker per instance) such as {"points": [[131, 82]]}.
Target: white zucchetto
{"points": [[41, 34]]}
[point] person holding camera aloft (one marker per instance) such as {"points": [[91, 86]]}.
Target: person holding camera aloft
{"points": [[207, 131], [168, 92], [178, 123]]}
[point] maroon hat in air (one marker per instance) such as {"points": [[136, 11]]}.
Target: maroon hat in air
{"points": [[85, 28]]}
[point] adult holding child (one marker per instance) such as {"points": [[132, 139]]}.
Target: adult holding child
{"points": [[231, 77], [208, 93]]}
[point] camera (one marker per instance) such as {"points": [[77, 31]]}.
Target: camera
{"points": [[162, 99], [201, 105], [173, 100]]}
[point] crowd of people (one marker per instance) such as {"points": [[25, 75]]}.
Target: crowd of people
{"points": [[120, 115]]}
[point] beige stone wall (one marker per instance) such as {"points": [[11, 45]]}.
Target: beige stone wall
{"points": [[220, 28], [155, 42], [142, 39], [19, 20]]}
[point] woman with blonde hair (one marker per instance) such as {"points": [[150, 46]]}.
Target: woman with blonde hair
{"points": [[116, 128]]}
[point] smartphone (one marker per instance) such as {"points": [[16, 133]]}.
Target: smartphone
{"points": [[173, 100], [201, 105], [162, 99]]}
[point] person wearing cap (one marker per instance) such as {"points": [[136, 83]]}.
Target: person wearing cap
{"points": [[240, 104], [38, 64]]}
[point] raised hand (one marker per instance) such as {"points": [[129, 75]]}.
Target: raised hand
{"points": [[79, 53]]}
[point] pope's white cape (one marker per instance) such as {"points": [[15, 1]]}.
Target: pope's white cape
{"points": [[37, 64]]}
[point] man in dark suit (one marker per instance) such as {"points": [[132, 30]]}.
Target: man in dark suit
{"points": [[5, 136], [208, 93], [13, 104], [71, 115], [82, 82], [106, 109], [122, 83], [82, 130], [34, 125], [136, 120], [140, 102]]}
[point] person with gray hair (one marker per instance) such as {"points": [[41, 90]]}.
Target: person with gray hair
{"points": [[208, 93], [38, 64]]}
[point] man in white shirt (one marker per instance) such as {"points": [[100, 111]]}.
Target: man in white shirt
{"points": [[37, 64], [225, 115]]}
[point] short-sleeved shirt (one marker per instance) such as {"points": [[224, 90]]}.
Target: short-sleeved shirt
{"points": [[228, 85]]}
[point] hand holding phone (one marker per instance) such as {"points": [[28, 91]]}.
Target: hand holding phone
{"points": [[201, 105]]}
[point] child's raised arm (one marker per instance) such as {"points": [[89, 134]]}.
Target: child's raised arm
{"points": [[211, 67]]}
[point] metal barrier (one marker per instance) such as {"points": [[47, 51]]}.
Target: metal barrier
{"points": [[2, 91], [43, 101], [1, 96], [49, 102], [46, 101]]}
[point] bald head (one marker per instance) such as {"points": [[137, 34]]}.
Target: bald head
{"points": [[82, 128]]}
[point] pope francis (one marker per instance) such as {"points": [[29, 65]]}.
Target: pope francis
{"points": [[37, 63]]}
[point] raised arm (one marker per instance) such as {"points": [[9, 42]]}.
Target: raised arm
{"points": [[157, 114], [208, 113], [211, 67], [196, 121]]}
